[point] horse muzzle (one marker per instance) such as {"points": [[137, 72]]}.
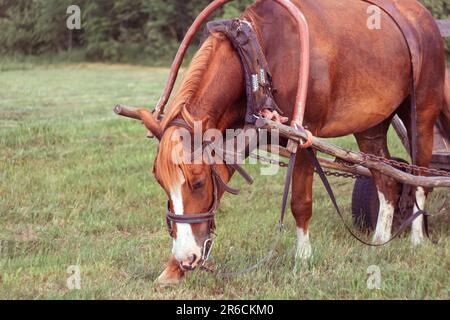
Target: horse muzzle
{"points": [[194, 261]]}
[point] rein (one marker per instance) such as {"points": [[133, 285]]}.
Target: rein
{"points": [[315, 162]]}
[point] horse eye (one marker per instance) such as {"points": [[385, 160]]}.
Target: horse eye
{"points": [[198, 185]]}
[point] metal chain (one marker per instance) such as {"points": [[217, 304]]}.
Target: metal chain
{"points": [[407, 167], [268, 160], [282, 164], [342, 175], [397, 164]]}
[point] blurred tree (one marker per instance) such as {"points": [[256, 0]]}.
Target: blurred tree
{"points": [[115, 30], [440, 10]]}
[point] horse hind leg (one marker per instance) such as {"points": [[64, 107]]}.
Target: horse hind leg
{"points": [[374, 141], [417, 236], [425, 138], [428, 108]]}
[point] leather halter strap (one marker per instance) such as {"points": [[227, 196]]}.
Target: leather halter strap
{"points": [[196, 218]]}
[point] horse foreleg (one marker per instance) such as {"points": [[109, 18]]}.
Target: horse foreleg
{"points": [[301, 203], [172, 275]]}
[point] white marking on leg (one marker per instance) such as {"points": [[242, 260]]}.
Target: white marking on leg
{"points": [[304, 249], [417, 225], [184, 245], [384, 224]]}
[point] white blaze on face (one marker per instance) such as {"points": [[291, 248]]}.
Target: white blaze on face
{"points": [[384, 223], [417, 225], [304, 249], [184, 245]]}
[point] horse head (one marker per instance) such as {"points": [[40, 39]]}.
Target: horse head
{"points": [[211, 96]]}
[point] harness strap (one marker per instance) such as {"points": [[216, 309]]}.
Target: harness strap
{"points": [[222, 183], [236, 167], [242, 172], [178, 122], [258, 79]]}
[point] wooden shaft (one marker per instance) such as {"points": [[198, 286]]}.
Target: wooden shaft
{"points": [[400, 128], [304, 58], [190, 35], [126, 111], [354, 157], [444, 27]]}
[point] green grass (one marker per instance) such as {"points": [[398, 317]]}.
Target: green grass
{"points": [[11, 62], [76, 189]]}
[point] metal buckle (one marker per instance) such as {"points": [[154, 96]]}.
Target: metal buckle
{"points": [[207, 248]]}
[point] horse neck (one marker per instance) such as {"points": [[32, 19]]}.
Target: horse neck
{"points": [[221, 95]]}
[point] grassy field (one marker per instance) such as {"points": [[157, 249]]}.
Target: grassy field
{"points": [[76, 189]]}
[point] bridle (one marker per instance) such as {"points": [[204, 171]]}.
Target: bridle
{"points": [[217, 181]]}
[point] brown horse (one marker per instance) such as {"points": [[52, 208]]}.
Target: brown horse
{"points": [[359, 79]]}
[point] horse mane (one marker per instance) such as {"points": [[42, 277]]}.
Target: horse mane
{"points": [[168, 170], [191, 81], [199, 64]]}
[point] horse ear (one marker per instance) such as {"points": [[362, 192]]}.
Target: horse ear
{"points": [[150, 123]]}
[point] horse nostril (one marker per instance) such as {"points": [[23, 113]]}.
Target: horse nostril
{"points": [[192, 258], [188, 264], [186, 267]]}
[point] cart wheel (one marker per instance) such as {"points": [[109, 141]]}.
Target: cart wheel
{"points": [[365, 203]]}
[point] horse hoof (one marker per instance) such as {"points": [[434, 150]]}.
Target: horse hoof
{"points": [[380, 239], [304, 254], [169, 278], [166, 283], [417, 241]]}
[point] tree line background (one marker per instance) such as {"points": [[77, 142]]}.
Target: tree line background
{"points": [[145, 31]]}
